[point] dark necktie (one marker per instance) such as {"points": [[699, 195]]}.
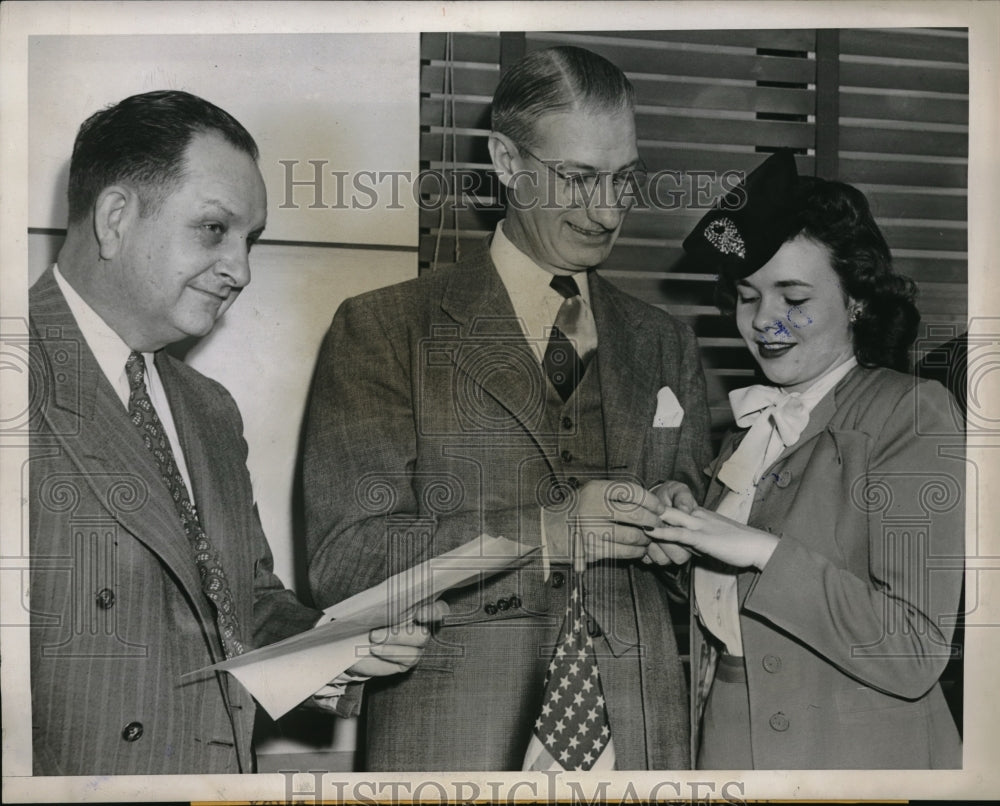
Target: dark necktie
{"points": [[573, 338], [213, 578]]}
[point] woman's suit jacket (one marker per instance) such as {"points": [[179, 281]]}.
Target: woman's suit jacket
{"points": [[117, 611], [848, 627]]}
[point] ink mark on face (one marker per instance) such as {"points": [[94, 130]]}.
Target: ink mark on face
{"points": [[779, 329], [798, 317]]}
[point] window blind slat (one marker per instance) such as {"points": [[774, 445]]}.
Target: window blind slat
{"points": [[479, 47], [923, 43], [736, 132], [679, 61], [467, 81], [918, 108], [927, 78], [728, 97], [902, 172], [896, 141], [776, 39]]}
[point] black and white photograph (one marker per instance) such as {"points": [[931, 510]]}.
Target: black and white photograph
{"points": [[498, 401]]}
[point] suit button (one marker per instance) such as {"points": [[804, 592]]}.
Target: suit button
{"points": [[772, 663], [105, 599], [491, 609], [558, 579], [784, 479], [566, 456], [132, 732], [566, 423], [573, 482], [515, 601], [779, 722], [503, 604]]}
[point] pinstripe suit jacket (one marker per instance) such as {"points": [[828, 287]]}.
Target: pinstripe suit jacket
{"points": [[428, 425], [117, 611]]}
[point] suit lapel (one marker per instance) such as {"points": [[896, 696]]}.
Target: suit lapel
{"points": [[93, 428], [819, 418], [822, 413], [625, 352], [477, 300]]}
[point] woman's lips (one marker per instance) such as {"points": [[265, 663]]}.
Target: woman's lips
{"points": [[773, 349]]}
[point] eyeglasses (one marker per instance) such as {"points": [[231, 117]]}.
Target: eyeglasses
{"points": [[583, 185]]}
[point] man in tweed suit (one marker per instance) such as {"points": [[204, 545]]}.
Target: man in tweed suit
{"points": [[165, 202], [440, 411]]}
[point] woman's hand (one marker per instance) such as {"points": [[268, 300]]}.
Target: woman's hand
{"points": [[705, 532]]}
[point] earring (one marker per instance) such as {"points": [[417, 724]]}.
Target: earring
{"points": [[855, 314]]}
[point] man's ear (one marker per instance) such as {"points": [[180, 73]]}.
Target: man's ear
{"points": [[503, 153], [116, 205]]}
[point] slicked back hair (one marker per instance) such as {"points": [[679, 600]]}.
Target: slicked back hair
{"points": [[554, 80], [141, 141]]}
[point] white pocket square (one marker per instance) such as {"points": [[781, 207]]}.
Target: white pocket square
{"points": [[669, 413]]}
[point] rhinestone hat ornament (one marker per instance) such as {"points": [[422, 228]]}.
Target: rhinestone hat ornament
{"points": [[748, 225], [724, 236]]}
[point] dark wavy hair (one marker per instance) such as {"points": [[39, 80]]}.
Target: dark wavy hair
{"points": [[142, 140], [837, 216]]}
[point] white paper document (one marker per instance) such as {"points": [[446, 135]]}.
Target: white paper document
{"points": [[281, 675]]}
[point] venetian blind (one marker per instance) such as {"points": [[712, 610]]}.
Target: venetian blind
{"points": [[885, 110]]}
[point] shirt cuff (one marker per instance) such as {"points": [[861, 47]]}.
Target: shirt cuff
{"points": [[328, 696]]}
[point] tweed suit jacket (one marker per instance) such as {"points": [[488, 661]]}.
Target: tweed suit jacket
{"points": [[117, 610], [848, 627], [428, 426]]}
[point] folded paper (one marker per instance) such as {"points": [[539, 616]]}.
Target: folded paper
{"points": [[281, 675]]}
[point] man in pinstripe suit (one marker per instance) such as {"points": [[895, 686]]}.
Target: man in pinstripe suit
{"points": [[139, 491]]}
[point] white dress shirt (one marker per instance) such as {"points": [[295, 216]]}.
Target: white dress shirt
{"points": [[111, 354], [536, 303]]}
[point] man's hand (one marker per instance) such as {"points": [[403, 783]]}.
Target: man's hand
{"points": [[675, 495], [609, 516], [398, 648]]}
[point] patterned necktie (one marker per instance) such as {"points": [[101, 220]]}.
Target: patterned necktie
{"points": [[213, 578], [573, 339], [572, 731]]}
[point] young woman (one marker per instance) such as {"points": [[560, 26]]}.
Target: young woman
{"points": [[828, 556]]}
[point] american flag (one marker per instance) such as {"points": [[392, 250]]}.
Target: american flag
{"points": [[572, 731]]}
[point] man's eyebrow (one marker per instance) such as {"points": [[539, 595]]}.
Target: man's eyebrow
{"points": [[582, 166], [218, 205]]}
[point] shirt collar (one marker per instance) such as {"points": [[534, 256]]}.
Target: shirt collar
{"points": [[524, 278], [107, 346]]}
